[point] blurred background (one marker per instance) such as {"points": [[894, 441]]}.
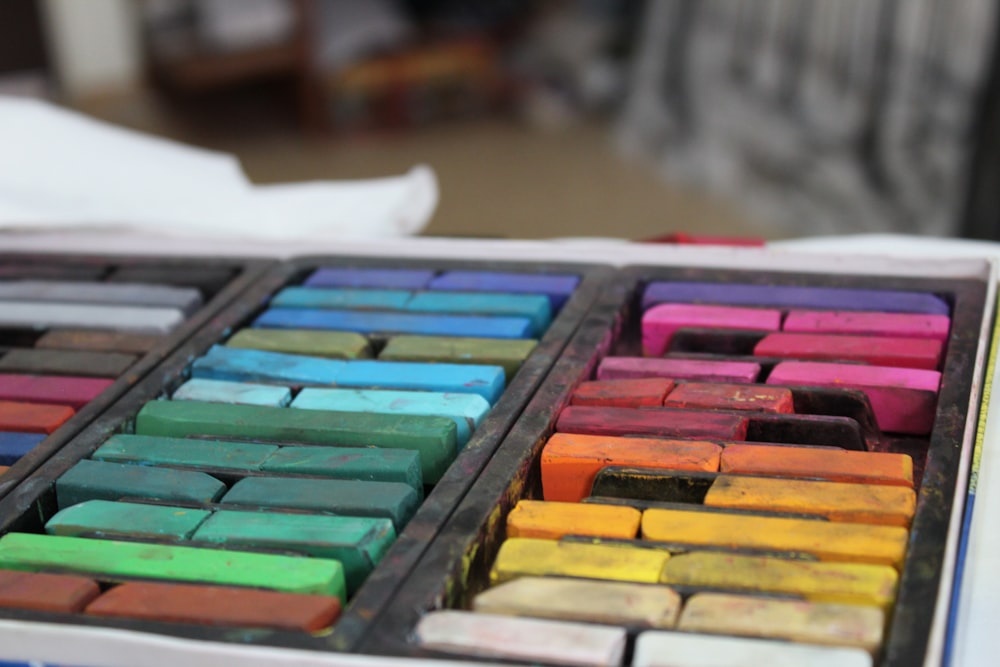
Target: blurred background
{"points": [[628, 118]]}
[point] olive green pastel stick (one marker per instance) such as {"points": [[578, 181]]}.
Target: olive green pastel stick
{"points": [[507, 353], [315, 343]]}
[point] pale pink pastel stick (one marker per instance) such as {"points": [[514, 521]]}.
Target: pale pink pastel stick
{"points": [[907, 325], [623, 368], [660, 322], [903, 399]]}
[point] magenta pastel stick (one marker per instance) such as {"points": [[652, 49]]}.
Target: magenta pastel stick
{"points": [[623, 368], [663, 423], [904, 325], [660, 322], [876, 350], [903, 399]]}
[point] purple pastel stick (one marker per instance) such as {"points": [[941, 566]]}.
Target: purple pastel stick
{"points": [[558, 287], [781, 296], [660, 322], [902, 325], [378, 278], [623, 368], [903, 399]]}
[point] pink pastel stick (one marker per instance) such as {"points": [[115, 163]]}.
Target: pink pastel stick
{"points": [[903, 399], [905, 325], [623, 368], [876, 350], [660, 322]]}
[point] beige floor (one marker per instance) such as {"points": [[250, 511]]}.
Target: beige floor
{"points": [[498, 177]]}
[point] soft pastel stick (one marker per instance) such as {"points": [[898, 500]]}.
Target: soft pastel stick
{"points": [[14, 445], [487, 381], [903, 399], [608, 602], [570, 462], [903, 325], [671, 649], [847, 583], [833, 465], [184, 452], [4, 469], [217, 605], [46, 592], [781, 296], [208, 279], [720, 396], [88, 316], [523, 556], [535, 307], [794, 620], [552, 520], [409, 323], [113, 559], [504, 352], [625, 368], [330, 344], [239, 393], [239, 365], [66, 362], [104, 518], [466, 410], [377, 464], [313, 297], [557, 287], [375, 278], [826, 540], [639, 393], [101, 480], [522, 639], [876, 350], [126, 294], [663, 423], [56, 389], [660, 322], [22, 417], [98, 341]]}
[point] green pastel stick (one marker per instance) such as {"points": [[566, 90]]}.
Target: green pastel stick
{"points": [[384, 500], [105, 518], [115, 560], [358, 543], [374, 464], [433, 437], [100, 480], [313, 343], [187, 452], [507, 353]]}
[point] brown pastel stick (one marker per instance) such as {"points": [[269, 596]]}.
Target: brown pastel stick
{"points": [[706, 370], [664, 422], [46, 592], [833, 465], [66, 362], [218, 605], [638, 393], [4, 469], [711, 396], [98, 341]]}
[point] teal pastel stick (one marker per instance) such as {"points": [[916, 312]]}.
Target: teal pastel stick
{"points": [[371, 322], [239, 393], [107, 519], [100, 480], [184, 452], [317, 297], [486, 381], [242, 365], [467, 410], [535, 307], [373, 464]]}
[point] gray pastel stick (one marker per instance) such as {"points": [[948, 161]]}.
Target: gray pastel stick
{"points": [[89, 316], [121, 294]]}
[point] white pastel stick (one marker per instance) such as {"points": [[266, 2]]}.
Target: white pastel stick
{"points": [[122, 294], [88, 316], [682, 649]]}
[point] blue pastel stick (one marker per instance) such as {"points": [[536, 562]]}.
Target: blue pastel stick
{"points": [[782, 296], [557, 287], [240, 365], [535, 307], [15, 445], [319, 297], [239, 393], [487, 381], [467, 410], [406, 323], [380, 278]]}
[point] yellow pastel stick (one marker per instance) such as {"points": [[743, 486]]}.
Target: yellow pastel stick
{"points": [[827, 540], [523, 556], [606, 602], [847, 583], [795, 620], [838, 501], [552, 520]]}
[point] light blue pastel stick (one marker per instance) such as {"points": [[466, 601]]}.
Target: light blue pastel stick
{"points": [[240, 393], [410, 323], [467, 410], [487, 381], [228, 363], [535, 307], [316, 297]]}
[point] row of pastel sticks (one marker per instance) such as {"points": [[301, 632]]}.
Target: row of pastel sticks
{"points": [[270, 485], [687, 499], [68, 330]]}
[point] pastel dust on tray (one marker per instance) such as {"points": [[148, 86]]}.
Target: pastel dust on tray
{"points": [[302, 443], [742, 494]]}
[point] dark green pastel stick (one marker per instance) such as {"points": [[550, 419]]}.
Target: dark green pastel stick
{"points": [[99, 480], [508, 353], [105, 518], [187, 452], [433, 437], [358, 543], [386, 500], [373, 464]]}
